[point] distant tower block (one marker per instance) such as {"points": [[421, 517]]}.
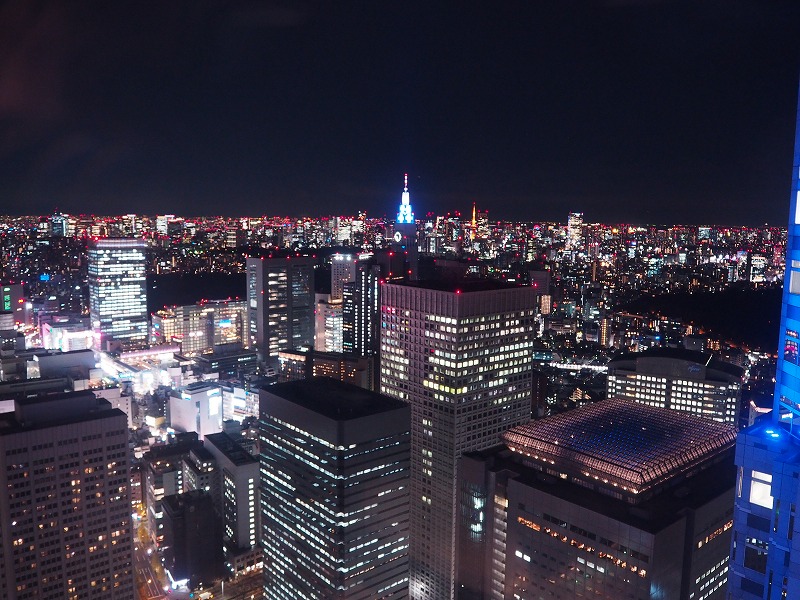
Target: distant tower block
{"points": [[118, 293]]}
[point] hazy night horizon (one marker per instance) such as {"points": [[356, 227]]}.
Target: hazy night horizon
{"points": [[625, 110]]}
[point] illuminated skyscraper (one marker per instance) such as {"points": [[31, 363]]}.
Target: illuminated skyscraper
{"points": [[360, 310], [118, 292], [405, 233], [460, 355], [765, 552], [574, 231], [334, 492]]}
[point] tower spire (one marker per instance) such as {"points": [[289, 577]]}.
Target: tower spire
{"points": [[405, 213]]}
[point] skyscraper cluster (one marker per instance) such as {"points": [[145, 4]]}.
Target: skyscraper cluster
{"points": [[396, 455]]}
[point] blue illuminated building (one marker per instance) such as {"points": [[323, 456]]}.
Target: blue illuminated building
{"points": [[404, 239], [765, 549]]}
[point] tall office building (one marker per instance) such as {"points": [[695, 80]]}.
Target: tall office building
{"points": [[765, 552], [460, 355], [360, 310], [238, 499], [334, 492], [692, 382], [118, 292], [611, 500], [574, 231], [65, 512], [343, 270], [280, 304]]}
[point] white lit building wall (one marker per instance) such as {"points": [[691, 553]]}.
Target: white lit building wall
{"points": [[118, 292], [462, 360], [343, 270], [328, 327], [197, 408], [66, 336]]}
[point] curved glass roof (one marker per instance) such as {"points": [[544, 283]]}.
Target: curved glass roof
{"points": [[621, 443]]}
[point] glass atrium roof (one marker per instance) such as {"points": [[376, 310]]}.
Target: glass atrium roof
{"points": [[621, 443]]}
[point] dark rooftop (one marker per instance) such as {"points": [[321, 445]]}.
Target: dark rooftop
{"points": [[458, 286], [230, 448], [701, 358], [334, 399]]}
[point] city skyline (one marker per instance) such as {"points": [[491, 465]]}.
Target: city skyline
{"points": [[627, 111]]}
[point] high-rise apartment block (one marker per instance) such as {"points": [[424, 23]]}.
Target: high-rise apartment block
{"points": [[280, 304], [692, 382], [164, 470], [65, 512], [118, 293], [611, 500], [765, 552], [334, 492], [192, 538], [460, 354]]}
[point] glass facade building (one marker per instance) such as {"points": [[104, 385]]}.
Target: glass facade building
{"points": [[765, 551], [118, 292], [334, 466], [280, 304]]}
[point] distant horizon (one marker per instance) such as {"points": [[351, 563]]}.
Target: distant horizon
{"points": [[391, 220]]}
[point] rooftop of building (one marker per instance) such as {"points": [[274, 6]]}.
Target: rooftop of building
{"points": [[202, 453], [334, 399], [176, 503], [67, 408], [705, 359], [464, 285], [230, 448], [199, 386], [652, 514], [184, 442], [621, 444]]}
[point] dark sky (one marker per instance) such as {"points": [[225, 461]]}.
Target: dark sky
{"points": [[641, 111]]}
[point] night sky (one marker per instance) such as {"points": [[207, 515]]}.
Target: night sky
{"points": [[641, 111]]}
